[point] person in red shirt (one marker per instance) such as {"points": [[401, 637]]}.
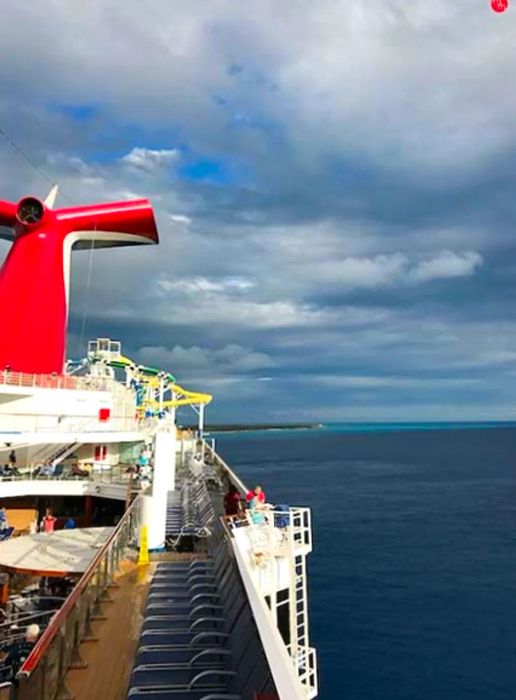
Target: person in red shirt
{"points": [[49, 521], [256, 493], [232, 501]]}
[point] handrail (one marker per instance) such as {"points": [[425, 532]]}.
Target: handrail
{"points": [[56, 381], [110, 474], [72, 426], [60, 616], [229, 472], [70, 423], [28, 617]]}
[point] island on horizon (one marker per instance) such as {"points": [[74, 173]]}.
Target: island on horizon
{"points": [[245, 427]]}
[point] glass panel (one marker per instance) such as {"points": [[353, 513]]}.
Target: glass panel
{"points": [[51, 670], [43, 671]]}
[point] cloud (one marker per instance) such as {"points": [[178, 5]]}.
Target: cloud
{"points": [[229, 359], [245, 315], [367, 383], [446, 265], [358, 222], [393, 269], [150, 160], [180, 219], [196, 285], [365, 272]]}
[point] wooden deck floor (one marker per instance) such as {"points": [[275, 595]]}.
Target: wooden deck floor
{"points": [[110, 659]]}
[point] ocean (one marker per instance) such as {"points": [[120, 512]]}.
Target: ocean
{"points": [[413, 575]]}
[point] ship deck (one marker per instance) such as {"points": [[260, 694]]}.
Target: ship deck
{"points": [[110, 658]]}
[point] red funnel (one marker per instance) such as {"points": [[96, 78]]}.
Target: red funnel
{"points": [[34, 278]]}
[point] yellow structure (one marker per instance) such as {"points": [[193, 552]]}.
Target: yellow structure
{"points": [[143, 556]]}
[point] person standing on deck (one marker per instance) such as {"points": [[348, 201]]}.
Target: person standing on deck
{"points": [[232, 501], [49, 521]]}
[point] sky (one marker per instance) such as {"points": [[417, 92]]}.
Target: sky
{"points": [[334, 185]]}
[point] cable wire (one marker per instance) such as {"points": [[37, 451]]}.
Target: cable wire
{"points": [[86, 294], [29, 160]]}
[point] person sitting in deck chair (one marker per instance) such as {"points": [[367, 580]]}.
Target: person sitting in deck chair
{"points": [[77, 471], [5, 530], [257, 493], [256, 511], [9, 470], [46, 470], [19, 651]]}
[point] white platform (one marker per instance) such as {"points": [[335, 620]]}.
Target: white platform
{"points": [[56, 553]]}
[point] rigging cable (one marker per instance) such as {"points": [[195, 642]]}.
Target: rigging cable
{"points": [[87, 292], [43, 174], [29, 160]]}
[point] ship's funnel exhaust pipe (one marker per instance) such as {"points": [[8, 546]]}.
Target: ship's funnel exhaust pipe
{"points": [[34, 277], [30, 211]]}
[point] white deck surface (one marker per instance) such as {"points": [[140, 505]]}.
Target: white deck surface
{"points": [[64, 551]]}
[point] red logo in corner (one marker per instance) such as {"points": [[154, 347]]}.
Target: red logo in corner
{"points": [[499, 5]]}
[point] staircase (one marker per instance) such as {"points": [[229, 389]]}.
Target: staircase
{"points": [[53, 453], [63, 452]]}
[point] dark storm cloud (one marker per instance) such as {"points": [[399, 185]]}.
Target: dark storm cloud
{"points": [[333, 187]]}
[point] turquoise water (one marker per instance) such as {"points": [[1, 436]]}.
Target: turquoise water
{"points": [[365, 428]]}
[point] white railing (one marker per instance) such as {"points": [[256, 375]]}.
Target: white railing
{"points": [[71, 424], [57, 381], [100, 473], [286, 678], [226, 468], [283, 535], [305, 662], [271, 536], [301, 528], [265, 545]]}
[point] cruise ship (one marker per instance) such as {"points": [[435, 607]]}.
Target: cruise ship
{"points": [[134, 562]]}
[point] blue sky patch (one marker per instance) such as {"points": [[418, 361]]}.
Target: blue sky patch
{"points": [[214, 171], [77, 112]]}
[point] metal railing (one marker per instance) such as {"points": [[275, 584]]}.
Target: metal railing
{"points": [[42, 675], [305, 662], [72, 426], [285, 534], [56, 381], [265, 537], [217, 459], [277, 529], [69, 424], [119, 474]]}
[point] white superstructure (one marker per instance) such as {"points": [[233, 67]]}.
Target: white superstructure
{"points": [[91, 430]]}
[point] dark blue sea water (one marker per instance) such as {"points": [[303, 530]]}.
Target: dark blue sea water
{"points": [[413, 575]]}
